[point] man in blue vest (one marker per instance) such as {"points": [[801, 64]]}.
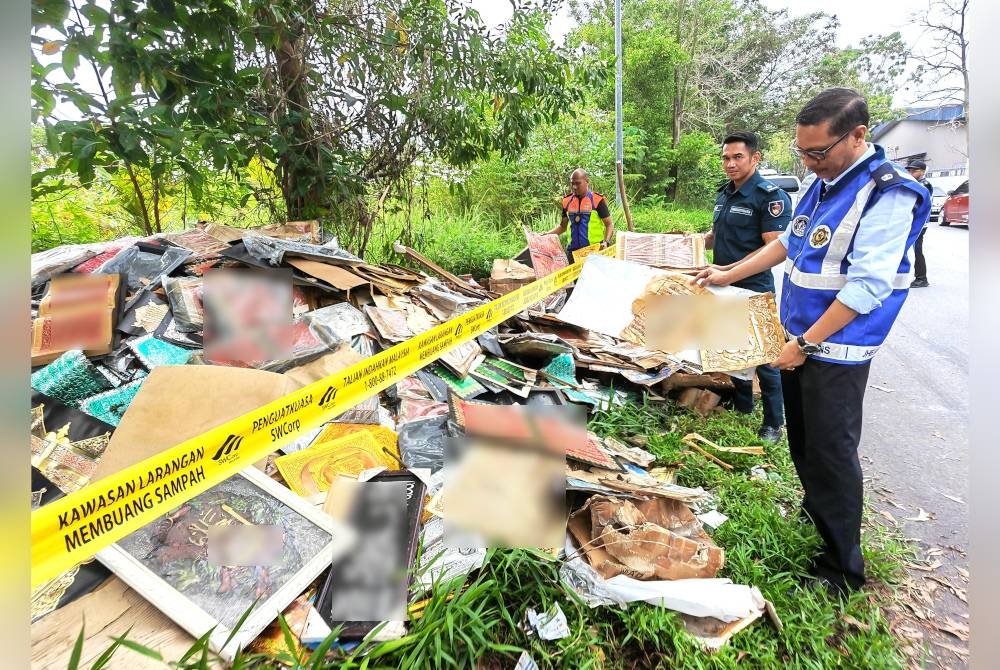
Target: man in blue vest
{"points": [[749, 212], [846, 276]]}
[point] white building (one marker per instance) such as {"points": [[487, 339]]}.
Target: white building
{"points": [[937, 135]]}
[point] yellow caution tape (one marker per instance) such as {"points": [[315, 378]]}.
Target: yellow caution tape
{"points": [[77, 526]]}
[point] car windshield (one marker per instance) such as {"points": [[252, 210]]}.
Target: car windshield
{"points": [[964, 188], [787, 184]]}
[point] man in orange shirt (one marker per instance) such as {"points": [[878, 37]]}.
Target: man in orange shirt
{"points": [[577, 210]]}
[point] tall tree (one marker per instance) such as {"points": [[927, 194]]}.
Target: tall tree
{"points": [[338, 97], [942, 71]]}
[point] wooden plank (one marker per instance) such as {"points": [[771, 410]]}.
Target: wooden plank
{"points": [[107, 612]]}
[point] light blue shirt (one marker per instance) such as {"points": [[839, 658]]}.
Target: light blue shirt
{"points": [[879, 246]]}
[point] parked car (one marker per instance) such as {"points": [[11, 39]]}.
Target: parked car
{"points": [[956, 206], [788, 183], [942, 185]]}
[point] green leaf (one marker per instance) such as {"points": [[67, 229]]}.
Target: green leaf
{"points": [[70, 59], [105, 658], [95, 14], [74, 657]]}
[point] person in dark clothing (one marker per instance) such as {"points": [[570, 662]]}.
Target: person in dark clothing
{"points": [[917, 169], [749, 212]]}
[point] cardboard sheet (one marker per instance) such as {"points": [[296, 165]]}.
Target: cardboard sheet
{"points": [[170, 408]]}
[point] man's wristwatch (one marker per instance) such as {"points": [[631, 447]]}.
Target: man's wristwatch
{"points": [[805, 347]]}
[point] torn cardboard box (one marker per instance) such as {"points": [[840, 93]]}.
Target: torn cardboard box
{"points": [[652, 539]]}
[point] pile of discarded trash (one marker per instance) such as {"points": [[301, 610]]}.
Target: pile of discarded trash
{"points": [[132, 354]]}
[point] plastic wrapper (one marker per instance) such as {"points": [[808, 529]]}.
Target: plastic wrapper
{"points": [[422, 443], [719, 598], [273, 250], [184, 296], [336, 323], [70, 378], [305, 346], [143, 264], [439, 563], [45, 264]]}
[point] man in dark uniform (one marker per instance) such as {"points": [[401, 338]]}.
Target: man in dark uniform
{"points": [[750, 211], [917, 169]]}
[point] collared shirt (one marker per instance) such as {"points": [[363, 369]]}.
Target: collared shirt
{"points": [[741, 218], [879, 244], [869, 152]]}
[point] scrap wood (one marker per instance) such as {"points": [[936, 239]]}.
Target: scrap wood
{"points": [[717, 461], [711, 633], [755, 451], [711, 380]]}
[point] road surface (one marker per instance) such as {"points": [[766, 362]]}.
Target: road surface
{"points": [[914, 445]]}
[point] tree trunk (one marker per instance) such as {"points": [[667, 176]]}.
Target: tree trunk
{"points": [[299, 164]]}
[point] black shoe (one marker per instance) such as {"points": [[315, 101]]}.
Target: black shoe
{"points": [[825, 586], [919, 283], [770, 434]]}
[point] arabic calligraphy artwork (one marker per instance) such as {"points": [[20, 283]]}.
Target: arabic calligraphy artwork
{"points": [[662, 250], [765, 338], [167, 561]]}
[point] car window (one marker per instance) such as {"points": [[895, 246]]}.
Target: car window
{"points": [[787, 184], [964, 188]]}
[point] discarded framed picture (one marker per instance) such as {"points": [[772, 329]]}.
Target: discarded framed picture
{"points": [[370, 584], [167, 561]]}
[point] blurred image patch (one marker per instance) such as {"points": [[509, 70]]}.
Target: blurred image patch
{"points": [[713, 322], [505, 476], [248, 316]]}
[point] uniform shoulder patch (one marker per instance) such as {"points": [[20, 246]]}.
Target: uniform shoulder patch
{"points": [[767, 186], [885, 175], [776, 207]]}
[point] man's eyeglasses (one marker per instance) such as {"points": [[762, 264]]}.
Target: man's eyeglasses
{"points": [[818, 154]]}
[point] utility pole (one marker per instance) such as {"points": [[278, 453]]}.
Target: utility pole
{"points": [[619, 147]]}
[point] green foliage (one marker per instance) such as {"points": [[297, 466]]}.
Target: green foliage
{"points": [[696, 157], [337, 102], [713, 66]]}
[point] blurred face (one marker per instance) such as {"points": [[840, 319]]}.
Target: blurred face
{"points": [[826, 154], [917, 173], [579, 183], [738, 163]]}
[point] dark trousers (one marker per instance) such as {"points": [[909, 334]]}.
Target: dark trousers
{"points": [[823, 404], [770, 395], [919, 264]]}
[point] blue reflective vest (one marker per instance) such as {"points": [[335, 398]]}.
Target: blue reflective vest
{"points": [[820, 241]]}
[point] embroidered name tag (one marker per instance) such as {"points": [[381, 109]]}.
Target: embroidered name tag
{"points": [[741, 210]]}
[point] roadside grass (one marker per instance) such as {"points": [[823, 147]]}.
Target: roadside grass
{"points": [[474, 622], [469, 241]]}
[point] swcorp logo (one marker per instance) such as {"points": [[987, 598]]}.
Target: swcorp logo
{"points": [[328, 396], [231, 444]]}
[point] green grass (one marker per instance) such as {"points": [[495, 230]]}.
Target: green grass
{"points": [[765, 545], [468, 242]]}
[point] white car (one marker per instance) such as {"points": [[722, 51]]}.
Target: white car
{"points": [[788, 183]]}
